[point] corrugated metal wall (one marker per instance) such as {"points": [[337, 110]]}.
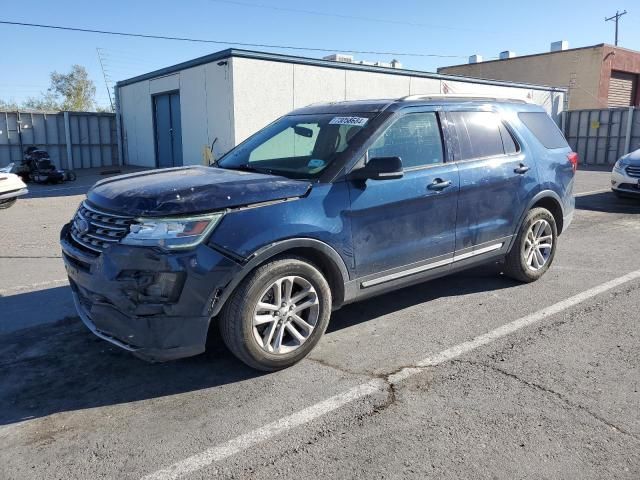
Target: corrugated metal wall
{"points": [[90, 141], [602, 136]]}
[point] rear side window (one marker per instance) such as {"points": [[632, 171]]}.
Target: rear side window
{"points": [[481, 134], [415, 138], [544, 129]]}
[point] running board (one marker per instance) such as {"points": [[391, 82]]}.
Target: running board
{"points": [[431, 266]]}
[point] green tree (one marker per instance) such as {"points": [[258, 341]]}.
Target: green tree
{"points": [[8, 105], [47, 102], [75, 90]]}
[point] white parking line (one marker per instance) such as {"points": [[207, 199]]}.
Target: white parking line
{"points": [[302, 417], [592, 192], [34, 286]]}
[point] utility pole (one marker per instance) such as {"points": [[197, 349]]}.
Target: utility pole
{"points": [[616, 18]]}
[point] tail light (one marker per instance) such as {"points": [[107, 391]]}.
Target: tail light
{"points": [[573, 159]]}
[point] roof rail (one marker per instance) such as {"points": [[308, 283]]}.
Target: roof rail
{"points": [[465, 96]]}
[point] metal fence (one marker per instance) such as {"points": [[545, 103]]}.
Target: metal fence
{"points": [[73, 139], [602, 136]]}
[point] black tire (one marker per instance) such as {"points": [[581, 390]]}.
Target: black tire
{"points": [[516, 265], [236, 318], [4, 204]]}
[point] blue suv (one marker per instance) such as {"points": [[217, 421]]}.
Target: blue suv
{"points": [[327, 205]]}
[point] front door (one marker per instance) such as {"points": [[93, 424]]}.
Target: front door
{"points": [[168, 129], [399, 223]]}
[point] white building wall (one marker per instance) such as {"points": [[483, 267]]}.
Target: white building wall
{"points": [[193, 114], [137, 124], [369, 85], [206, 113], [315, 84], [262, 92], [219, 101]]}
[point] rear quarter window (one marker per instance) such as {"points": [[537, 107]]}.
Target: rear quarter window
{"points": [[544, 129]]}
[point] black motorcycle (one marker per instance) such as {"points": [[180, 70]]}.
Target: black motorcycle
{"points": [[38, 167]]}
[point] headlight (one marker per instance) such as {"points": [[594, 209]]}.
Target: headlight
{"points": [[620, 164], [172, 233]]}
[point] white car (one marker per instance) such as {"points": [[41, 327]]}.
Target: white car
{"points": [[625, 178], [11, 187]]}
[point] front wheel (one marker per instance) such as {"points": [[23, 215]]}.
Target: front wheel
{"points": [[535, 247], [277, 314]]}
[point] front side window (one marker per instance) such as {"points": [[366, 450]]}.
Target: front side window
{"points": [[415, 138], [481, 134], [297, 146]]}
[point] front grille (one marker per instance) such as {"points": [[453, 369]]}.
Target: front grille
{"points": [[633, 171], [93, 230]]}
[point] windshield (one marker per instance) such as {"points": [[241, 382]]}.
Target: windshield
{"points": [[297, 146]]}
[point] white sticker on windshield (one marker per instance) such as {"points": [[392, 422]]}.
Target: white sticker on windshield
{"points": [[356, 121]]}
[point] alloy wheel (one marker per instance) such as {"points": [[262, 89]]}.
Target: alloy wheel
{"points": [[538, 244], [286, 315]]}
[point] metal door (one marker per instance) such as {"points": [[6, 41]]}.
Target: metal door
{"points": [[168, 130]]}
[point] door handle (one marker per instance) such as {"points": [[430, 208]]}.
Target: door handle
{"points": [[521, 169], [439, 184]]}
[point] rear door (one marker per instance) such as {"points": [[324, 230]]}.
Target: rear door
{"points": [[398, 225], [494, 179]]}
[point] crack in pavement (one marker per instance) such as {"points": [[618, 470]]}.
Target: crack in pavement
{"points": [[549, 391]]}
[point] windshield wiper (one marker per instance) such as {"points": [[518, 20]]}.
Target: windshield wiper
{"points": [[248, 168]]}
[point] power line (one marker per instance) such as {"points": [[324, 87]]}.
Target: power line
{"points": [[221, 42], [339, 15]]}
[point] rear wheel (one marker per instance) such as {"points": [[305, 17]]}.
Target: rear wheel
{"points": [[277, 314], [535, 247]]}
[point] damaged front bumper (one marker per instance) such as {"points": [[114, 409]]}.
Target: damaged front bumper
{"points": [[155, 304]]}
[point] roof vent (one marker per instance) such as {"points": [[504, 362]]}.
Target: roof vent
{"points": [[559, 46], [507, 54], [475, 58], [339, 57]]}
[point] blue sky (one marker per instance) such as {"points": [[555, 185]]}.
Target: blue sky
{"points": [[458, 28]]}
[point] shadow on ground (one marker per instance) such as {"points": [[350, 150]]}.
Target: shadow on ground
{"points": [[608, 202], [63, 367]]}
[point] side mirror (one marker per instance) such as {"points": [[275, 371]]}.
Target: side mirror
{"points": [[380, 168]]}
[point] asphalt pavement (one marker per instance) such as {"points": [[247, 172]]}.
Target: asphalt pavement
{"points": [[469, 376]]}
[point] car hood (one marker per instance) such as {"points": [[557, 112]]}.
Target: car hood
{"points": [[632, 158], [10, 182], [190, 190]]}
